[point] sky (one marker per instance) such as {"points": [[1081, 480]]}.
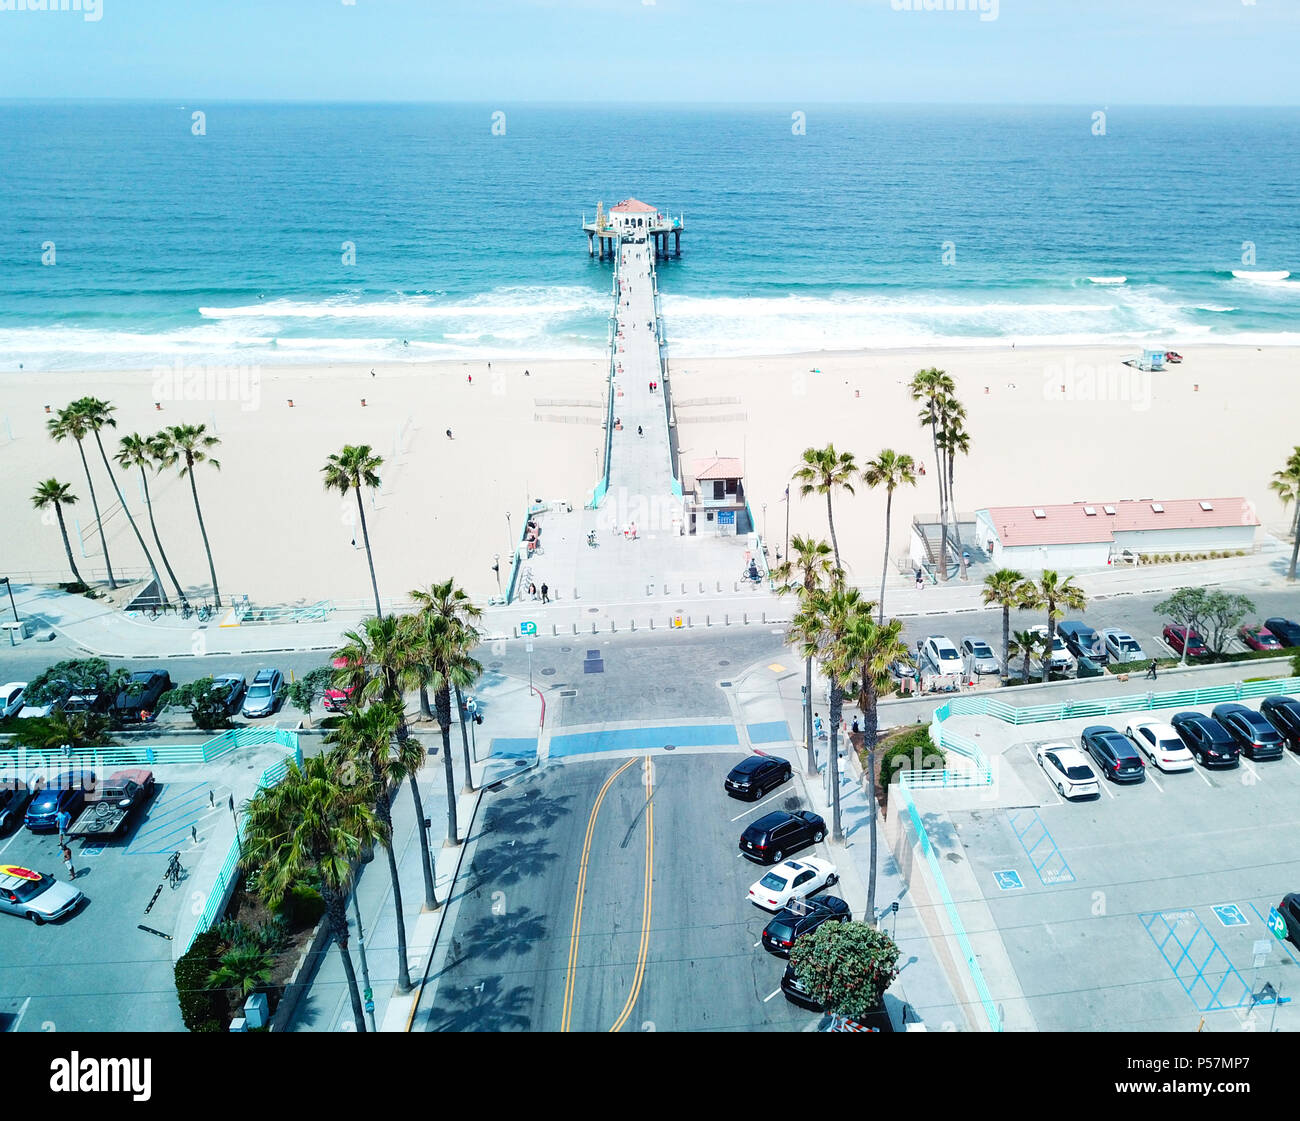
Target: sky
{"points": [[1076, 52]]}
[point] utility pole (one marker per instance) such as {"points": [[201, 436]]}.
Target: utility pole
{"points": [[368, 995]]}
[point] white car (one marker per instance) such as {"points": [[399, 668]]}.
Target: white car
{"points": [[11, 698], [792, 879], [977, 654], [1120, 646], [1062, 661], [1069, 770], [1161, 744], [942, 653]]}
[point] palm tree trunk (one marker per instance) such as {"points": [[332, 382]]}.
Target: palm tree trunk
{"points": [[99, 525], [942, 558], [1295, 550], [870, 725], [370, 560], [952, 505], [334, 907], [830, 520], [444, 719], [212, 571], [67, 546], [833, 763], [1006, 642], [884, 568], [807, 716], [148, 556], [148, 504], [425, 710], [468, 788], [430, 890], [384, 811], [1051, 634]]}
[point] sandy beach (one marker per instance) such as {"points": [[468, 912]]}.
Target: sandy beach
{"points": [[1046, 425]]}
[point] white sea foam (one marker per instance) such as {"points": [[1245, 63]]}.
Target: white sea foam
{"points": [[1277, 276], [1108, 280]]}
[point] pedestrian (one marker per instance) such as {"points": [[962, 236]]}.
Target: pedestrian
{"points": [[470, 377], [633, 528], [921, 468], [855, 725], [546, 594], [639, 431], [920, 580], [66, 853], [372, 373], [63, 820], [1151, 670], [449, 436], [525, 373], [818, 730], [532, 591]]}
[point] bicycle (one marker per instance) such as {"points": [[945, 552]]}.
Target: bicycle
{"points": [[204, 613], [175, 873]]}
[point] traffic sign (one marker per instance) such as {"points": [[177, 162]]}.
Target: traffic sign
{"points": [[1277, 924], [528, 628], [370, 1006]]}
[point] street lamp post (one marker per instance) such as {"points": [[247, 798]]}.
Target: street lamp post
{"points": [[10, 588], [787, 521], [369, 995], [764, 525], [510, 532], [496, 567]]}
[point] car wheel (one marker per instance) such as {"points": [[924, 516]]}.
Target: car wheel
{"points": [[1060, 789], [817, 837], [778, 856], [833, 879], [787, 775], [36, 918]]}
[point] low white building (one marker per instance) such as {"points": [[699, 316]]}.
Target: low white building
{"points": [[714, 498], [1080, 535], [632, 216]]}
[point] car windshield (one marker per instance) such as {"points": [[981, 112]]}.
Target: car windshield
{"points": [[773, 882], [981, 650], [1080, 773], [947, 653], [782, 929], [28, 889], [1171, 745], [1128, 645], [259, 690]]}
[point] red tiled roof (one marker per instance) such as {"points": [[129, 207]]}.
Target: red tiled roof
{"points": [[632, 206], [1070, 524], [719, 468]]}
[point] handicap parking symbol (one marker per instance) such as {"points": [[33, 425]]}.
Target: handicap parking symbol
{"points": [[92, 850], [1008, 880], [1230, 914]]}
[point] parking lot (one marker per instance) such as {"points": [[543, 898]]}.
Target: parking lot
{"points": [[694, 964], [1141, 909]]}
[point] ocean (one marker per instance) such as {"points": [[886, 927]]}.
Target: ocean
{"points": [[877, 226]]}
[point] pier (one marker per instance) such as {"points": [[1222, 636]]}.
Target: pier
{"points": [[636, 222]]}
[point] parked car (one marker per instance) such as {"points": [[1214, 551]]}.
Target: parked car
{"points": [[1210, 743], [56, 693], [13, 800], [979, 656], [1060, 659], [336, 699], [66, 792], [231, 687], [753, 777], [1256, 737], [34, 895], [141, 694], [796, 993], [1258, 638], [1173, 635], [941, 653], [1119, 760], [1289, 908], [1121, 646], [799, 918], [1286, 631], [1160, 744], [792, 879], [263, 696], [773, 835], [110, 805], [1284, 714], [1081, 640], [11, 698], [88, 702], [1067, 768]]}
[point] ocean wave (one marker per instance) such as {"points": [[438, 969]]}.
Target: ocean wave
{"points": [[521, 303], [1108, 280]]}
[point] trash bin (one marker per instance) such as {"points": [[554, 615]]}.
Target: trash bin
{"points": [[1089, 668]]}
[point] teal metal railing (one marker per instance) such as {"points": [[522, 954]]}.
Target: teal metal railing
{"points": [[144, 753]]}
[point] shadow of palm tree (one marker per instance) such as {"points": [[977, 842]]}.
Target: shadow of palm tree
{"points": [[527, 812], [504, 865], [493, 936], [483, 1007]]}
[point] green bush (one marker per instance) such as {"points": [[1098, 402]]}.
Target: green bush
{"points": [[202, 1008], [301, 907]]}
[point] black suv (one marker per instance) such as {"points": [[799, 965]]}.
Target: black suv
{"points": [[1209, 741], [1115, 754], [1286, 631], [774, 836], [801, 916], [1290, 910], [141, 693], [1256, 737], [1284, 714], [755, 776]]}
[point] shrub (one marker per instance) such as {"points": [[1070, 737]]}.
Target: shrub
{"points": [[913, 750], [209, 712], [846, 966], [202, 1008], [301, 907]]}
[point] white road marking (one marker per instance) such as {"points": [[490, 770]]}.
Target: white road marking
{"points": [[1204, 777], [1249, 766], [1104, 783], [21, 1013], [771, 995], [16, 833], [755, 806], [1151, 777], [758, 943], [1042, 771]]}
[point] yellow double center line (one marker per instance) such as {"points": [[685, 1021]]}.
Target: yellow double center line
{"points": [[571, 974]]}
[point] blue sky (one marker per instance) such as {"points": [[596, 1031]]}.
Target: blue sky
{"points": [[1103, 52]]}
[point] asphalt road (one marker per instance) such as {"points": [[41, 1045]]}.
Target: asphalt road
{"points": [[519, 961]]}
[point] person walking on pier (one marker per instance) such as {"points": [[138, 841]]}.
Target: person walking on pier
{"points": [[1151, 670], [546, 594]]}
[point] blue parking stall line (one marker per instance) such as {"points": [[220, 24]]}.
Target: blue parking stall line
{"points": [[1195, 960], [1051, 866]]}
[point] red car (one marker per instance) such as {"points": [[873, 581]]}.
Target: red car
{"points": [[337, 700], [1259, 638], [1173, 635]]}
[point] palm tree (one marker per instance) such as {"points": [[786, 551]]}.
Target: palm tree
{"points": [[377, 665], [1005, 588], [1286, 484], [99, 414], [136, 451], [824, 471], [889, 470], [351, 469], [954, 440], [1054, 593], [243, 970], [812, 566], [57, 494], [188, 445], [932, 387], [1030, 643], [366, 735], [313, 823], [70, 423], [868, 649], [452, 603], [61, 730]]}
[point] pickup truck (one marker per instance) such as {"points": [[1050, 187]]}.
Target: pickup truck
{"points": [[108, 807]]}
